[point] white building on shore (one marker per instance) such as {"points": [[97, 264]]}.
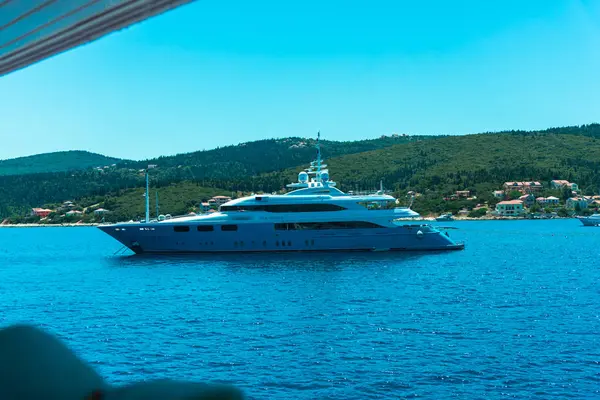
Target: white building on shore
{"points": [[548, 201], [510, 208]]}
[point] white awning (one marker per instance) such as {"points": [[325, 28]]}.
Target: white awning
{"points": [[32, 30]]}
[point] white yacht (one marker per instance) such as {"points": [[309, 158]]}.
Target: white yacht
{"points": [[313, 216], [592, 220], [445, 218]]}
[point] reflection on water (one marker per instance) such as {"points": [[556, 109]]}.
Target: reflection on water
{"points": [[296, 260]]}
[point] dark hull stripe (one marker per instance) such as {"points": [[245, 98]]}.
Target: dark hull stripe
{"points": [[445, 248]]}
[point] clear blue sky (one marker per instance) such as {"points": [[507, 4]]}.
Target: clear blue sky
{"points": [[222, 72]]}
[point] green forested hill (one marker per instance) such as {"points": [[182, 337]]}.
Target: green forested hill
{"points": [[450, 163], [210, 168], [479, 163], [248, 159], [467, 161], [434, 167], [54, 162]]}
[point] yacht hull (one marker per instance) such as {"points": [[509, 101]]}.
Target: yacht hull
{"points": [[162, 239], [586, 221]]}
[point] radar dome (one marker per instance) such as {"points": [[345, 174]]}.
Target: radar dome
{"points": [[324, 176], [303, 177]]}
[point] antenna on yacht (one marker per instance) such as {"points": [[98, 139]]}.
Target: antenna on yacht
{"points": [[319, 156], [147, 198], [147, 194]]}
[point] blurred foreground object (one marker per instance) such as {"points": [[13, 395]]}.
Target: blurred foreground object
{"points": [[37, 366], [31, 31]]}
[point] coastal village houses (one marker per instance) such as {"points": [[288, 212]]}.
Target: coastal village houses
{"points": [[560, 183], [510, 208], [576, 202], [523, 187], [204, 207]]}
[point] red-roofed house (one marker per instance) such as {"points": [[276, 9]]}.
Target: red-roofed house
{"points": [[532, 187], [561, 183], [41, 212], [511, 208], [510, 186], [523, 187], [218, 200]]}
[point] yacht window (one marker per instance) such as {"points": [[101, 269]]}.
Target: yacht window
{"points": [[229, 228], [181, 228], [205, 228], [280, 208], [305, 207], [296, 226], [378, 204]]}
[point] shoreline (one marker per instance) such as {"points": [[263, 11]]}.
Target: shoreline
{"points": [[458, 219], [427, 219], [48, 225]]}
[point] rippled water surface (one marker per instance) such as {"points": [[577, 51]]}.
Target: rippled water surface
{"points": [[514, 315]]}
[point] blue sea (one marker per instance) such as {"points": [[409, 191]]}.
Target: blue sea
{"points": [[515, 315]]}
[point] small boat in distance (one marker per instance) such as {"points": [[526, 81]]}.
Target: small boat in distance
{"points": [[445, 217], [592, 220], [313, 216]]}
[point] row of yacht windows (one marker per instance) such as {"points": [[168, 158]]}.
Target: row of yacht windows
{"points": [[282, 208], [205, 228], [289, 226], [253, 244], [297, 226]]}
